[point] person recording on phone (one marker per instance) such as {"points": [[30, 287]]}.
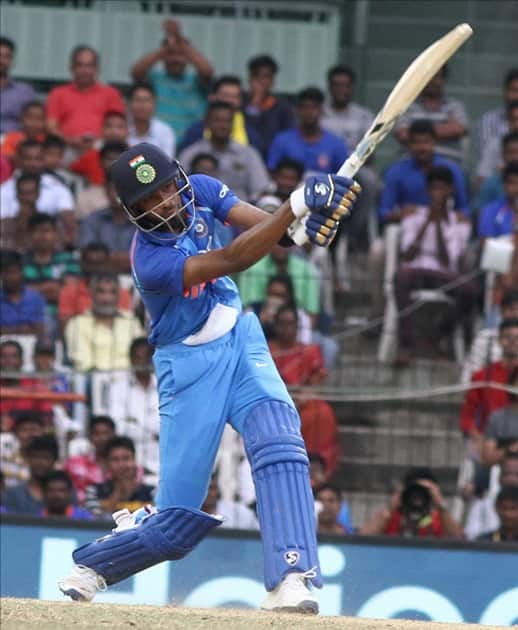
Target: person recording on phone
{"points": [[416, 509]]}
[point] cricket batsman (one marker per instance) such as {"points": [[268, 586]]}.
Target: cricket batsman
{"points": [[213, 366]]}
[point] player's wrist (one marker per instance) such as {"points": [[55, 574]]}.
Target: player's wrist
{"points": [[298, 203]]}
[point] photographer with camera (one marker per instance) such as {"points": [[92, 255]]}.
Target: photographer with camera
{"points": [[417, 508]]}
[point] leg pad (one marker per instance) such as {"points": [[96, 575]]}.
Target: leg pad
{"points": [[280, 469], [167, 535]]}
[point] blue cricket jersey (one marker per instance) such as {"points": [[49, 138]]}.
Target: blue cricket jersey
{"points": [[157, 268]]}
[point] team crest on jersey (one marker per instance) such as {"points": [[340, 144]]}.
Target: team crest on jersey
{"points": [[201, 229], [145, 173], [292, 557]]}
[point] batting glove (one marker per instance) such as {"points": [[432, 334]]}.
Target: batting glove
{"points": [[321, 230], [329, 195]]}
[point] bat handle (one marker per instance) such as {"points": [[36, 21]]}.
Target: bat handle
{"points": [[297, 230]]}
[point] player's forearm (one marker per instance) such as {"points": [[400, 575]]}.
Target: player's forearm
{"points": [[252, 245], [142, 66]]}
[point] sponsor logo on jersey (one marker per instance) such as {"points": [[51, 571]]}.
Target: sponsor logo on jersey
{"points": [[292, 557]]}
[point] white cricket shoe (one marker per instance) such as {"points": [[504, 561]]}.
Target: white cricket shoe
{"points": [[82, 584], [293, 595]]}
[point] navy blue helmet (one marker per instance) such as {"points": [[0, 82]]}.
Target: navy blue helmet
{"points": [[141, 171]]}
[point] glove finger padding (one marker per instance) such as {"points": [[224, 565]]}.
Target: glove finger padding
{"points": [[342, 202], [321, 230]]}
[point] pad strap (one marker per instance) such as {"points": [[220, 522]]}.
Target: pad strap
{"points": [[167, 535]]}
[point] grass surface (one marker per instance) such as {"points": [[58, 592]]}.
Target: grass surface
{"points": [[32, 614]]}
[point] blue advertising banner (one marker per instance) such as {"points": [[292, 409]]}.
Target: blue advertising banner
{"points": [[378, 578]]}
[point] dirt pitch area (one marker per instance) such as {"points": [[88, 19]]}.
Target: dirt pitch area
{"points": [[32, 614]]}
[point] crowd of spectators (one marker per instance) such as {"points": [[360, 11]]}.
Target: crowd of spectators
{"points": [[68, 308]]}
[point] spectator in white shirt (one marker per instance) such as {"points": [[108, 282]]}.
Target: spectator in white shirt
{"points": [[493, 123], [143, 125], [133, 405], [432, 241]]}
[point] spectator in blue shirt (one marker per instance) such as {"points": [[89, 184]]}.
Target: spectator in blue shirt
{"points": [[493, 187], [320, 151], [58, 497], [405, 181], [21, 309], [499, 217]]}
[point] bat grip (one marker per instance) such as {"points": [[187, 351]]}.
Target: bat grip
{"points": [[297, 230]]}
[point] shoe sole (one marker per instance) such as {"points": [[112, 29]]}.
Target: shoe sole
{"points": [[307, 607], [73, 594]]}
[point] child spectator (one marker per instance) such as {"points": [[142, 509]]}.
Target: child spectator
{"points": [[57, 491], [122, 489], [89, 165], [34, 127], [27, 497]]}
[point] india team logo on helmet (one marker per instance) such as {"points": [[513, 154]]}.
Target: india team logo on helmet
{"points": [[143, 170]]}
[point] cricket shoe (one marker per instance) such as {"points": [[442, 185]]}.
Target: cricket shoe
{"points": [[82, 584], [293, 595]]}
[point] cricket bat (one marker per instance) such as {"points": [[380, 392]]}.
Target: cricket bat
{"points": [[406, 90]]}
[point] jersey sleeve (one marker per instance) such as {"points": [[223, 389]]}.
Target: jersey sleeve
{"points": [[213, 194], [159, 270]]}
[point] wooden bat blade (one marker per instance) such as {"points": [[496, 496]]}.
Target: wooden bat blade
{"points": [[406, 90]]}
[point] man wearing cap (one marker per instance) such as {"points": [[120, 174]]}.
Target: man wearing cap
{"points": [[213, 365]]}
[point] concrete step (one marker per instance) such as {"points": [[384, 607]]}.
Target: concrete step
{"points": [[382, 478]]}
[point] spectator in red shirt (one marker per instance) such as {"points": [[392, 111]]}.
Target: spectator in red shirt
{"points": [[76, 110], [480, 402], [90, 164], [11, 360], [75, 296], [88, 469], [302, 365], [299, 364]]}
